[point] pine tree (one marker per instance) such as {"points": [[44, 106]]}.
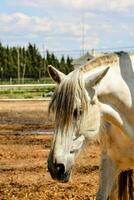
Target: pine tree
{"points": [[28, 62], [69, 65], [2, 61], [62, 65]]}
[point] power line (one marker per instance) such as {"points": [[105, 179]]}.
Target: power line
{"points": [[114, 48], [89, 50]]}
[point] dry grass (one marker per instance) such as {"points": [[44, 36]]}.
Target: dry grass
{"points": [[23, 158]]}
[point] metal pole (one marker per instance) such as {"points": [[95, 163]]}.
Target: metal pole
{"points": [[83, 33], [44, 65], [18, 58]]}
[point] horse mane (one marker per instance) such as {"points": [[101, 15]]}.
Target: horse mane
{"points": [[125, 182], [69, 95], [106, 59]]}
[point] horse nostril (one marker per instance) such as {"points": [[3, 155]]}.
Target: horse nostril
{"points": [[60, 169]]}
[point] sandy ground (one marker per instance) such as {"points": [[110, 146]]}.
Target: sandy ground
{"points": [[23, 158]]}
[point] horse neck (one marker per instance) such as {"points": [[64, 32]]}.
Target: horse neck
{"points": [[116, 97]]}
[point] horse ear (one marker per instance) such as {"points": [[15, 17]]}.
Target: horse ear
{"points": [[94, 77], [55, 74]]}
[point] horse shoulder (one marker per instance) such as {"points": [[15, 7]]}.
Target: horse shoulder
{"points": [[118, 147]]}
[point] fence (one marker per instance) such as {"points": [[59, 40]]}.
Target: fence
{"points": [[26, 91]]}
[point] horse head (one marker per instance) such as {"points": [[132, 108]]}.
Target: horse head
{"points": [[76, 118]]}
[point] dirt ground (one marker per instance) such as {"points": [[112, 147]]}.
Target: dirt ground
{"points": [[23, 157]]}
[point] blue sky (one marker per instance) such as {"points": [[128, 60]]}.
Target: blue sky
{"points": [[59, 25]]}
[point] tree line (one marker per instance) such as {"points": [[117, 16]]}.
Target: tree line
{"points": [[27, 62]]}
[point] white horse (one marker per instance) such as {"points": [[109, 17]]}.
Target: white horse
{"points": [[96, 100]]}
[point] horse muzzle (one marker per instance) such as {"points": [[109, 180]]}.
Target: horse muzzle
{"points": [[58, 172]]}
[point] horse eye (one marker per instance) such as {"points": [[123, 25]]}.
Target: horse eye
{"points": [[77, 113]]}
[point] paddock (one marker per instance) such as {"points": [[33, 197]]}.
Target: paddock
{"points": [[25, 138]]}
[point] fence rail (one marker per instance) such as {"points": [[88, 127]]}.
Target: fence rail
{"points": [[26, 85], [24, 100], [18, 92]]}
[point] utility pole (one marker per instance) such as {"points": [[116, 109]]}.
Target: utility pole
{"points": [[83, 33], [18, 61], [44, 64]]}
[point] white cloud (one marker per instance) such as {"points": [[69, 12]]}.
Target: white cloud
{"points": [[73, 28], [58, 23], [23, 24], [114, 5], [127, 28], [91, 42], [98, 4]]}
